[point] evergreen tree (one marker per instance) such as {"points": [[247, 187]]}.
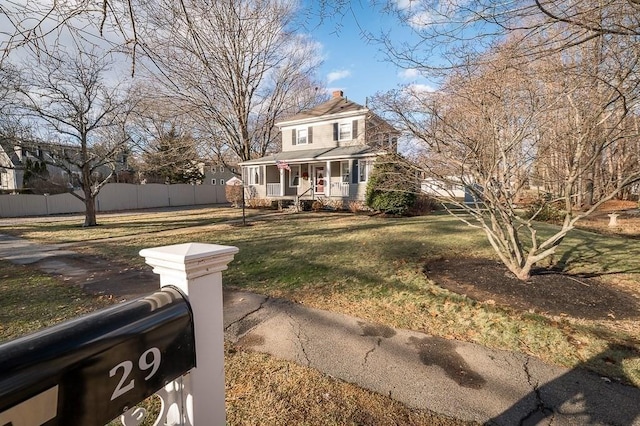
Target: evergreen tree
{"points": [[392, 187], [173, 159]]}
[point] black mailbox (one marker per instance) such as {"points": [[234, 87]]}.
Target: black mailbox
{"points": [[88, 370]]}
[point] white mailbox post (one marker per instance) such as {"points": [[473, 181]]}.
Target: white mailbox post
{"points": [[196, 269]]}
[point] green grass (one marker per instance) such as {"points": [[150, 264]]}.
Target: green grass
{"points": [[31, 300], [67, 230], [371, 267]]}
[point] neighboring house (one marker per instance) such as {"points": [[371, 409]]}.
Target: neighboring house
{"points": [[15, 161], [11, 172], [451, 188], [218, 174], [327, 152], [436, 188]]}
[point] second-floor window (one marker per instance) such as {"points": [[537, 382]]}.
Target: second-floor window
{"points": [[344, 131], [388, 141], [302, 137]]}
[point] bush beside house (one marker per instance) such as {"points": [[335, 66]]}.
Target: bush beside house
{"points": [[391, 188]]}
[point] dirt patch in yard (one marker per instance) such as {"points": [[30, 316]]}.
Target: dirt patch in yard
{"points": [[99, 276], [547, 291]]}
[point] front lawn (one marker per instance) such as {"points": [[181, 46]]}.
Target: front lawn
{"points": [[373, 268]]}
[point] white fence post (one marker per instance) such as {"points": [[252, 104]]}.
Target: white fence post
{"points": [[196, 269]]}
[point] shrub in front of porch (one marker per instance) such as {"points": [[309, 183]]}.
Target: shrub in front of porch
{"points": [[233, 194], [258, 203], [392, 188]]}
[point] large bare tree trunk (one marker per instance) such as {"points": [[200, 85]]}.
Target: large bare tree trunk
{"points": [[89, 210]]}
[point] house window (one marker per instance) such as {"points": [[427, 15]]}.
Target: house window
{"points": [[344, 131], [294, 176], [388, 141], [221, 181], [344, 171], [213, 181], [254, 175], [4, 179], [364, 168], [221, 169], [302, 136]]}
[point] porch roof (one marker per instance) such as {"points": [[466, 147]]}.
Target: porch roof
{"points": [[319, 154]]}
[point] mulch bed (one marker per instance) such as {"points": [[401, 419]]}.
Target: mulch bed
{"points": [[547, 291]]}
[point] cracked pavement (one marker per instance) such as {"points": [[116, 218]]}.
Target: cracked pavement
{"points": [[458, 379]]}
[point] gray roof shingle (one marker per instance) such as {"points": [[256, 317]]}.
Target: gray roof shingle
{"points": [[334, 105]]}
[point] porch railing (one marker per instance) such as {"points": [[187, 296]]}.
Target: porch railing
{"points": [[274, 190], [340, 188]]}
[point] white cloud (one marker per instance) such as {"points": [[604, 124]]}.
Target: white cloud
{"points": [[420, 88], [418, 14], [421, 19], [409, 74], [404, 4], [337, 75]]}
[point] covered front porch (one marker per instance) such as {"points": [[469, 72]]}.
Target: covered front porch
{"points": [[335, 173], [308, 180], [330, 179]]}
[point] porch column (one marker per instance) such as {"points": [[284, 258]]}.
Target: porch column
{"points": [[281, 182], [328, 180]]}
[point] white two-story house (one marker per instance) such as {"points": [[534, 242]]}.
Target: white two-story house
{"points": [[327, 152]]}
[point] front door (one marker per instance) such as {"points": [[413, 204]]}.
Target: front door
{"points": [[319, 180]]}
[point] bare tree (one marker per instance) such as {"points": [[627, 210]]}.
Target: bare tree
{"points": [[449, 33], [10, 126], [491, 129], [81, 117], [233, 66]]}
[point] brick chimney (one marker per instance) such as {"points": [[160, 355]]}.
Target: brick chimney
{"points": [[337, 93]]}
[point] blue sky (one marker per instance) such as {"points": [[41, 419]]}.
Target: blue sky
{"points": [[351, 62]]}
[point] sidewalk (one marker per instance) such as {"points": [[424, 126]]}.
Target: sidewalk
{"points": [[458, 379]]}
